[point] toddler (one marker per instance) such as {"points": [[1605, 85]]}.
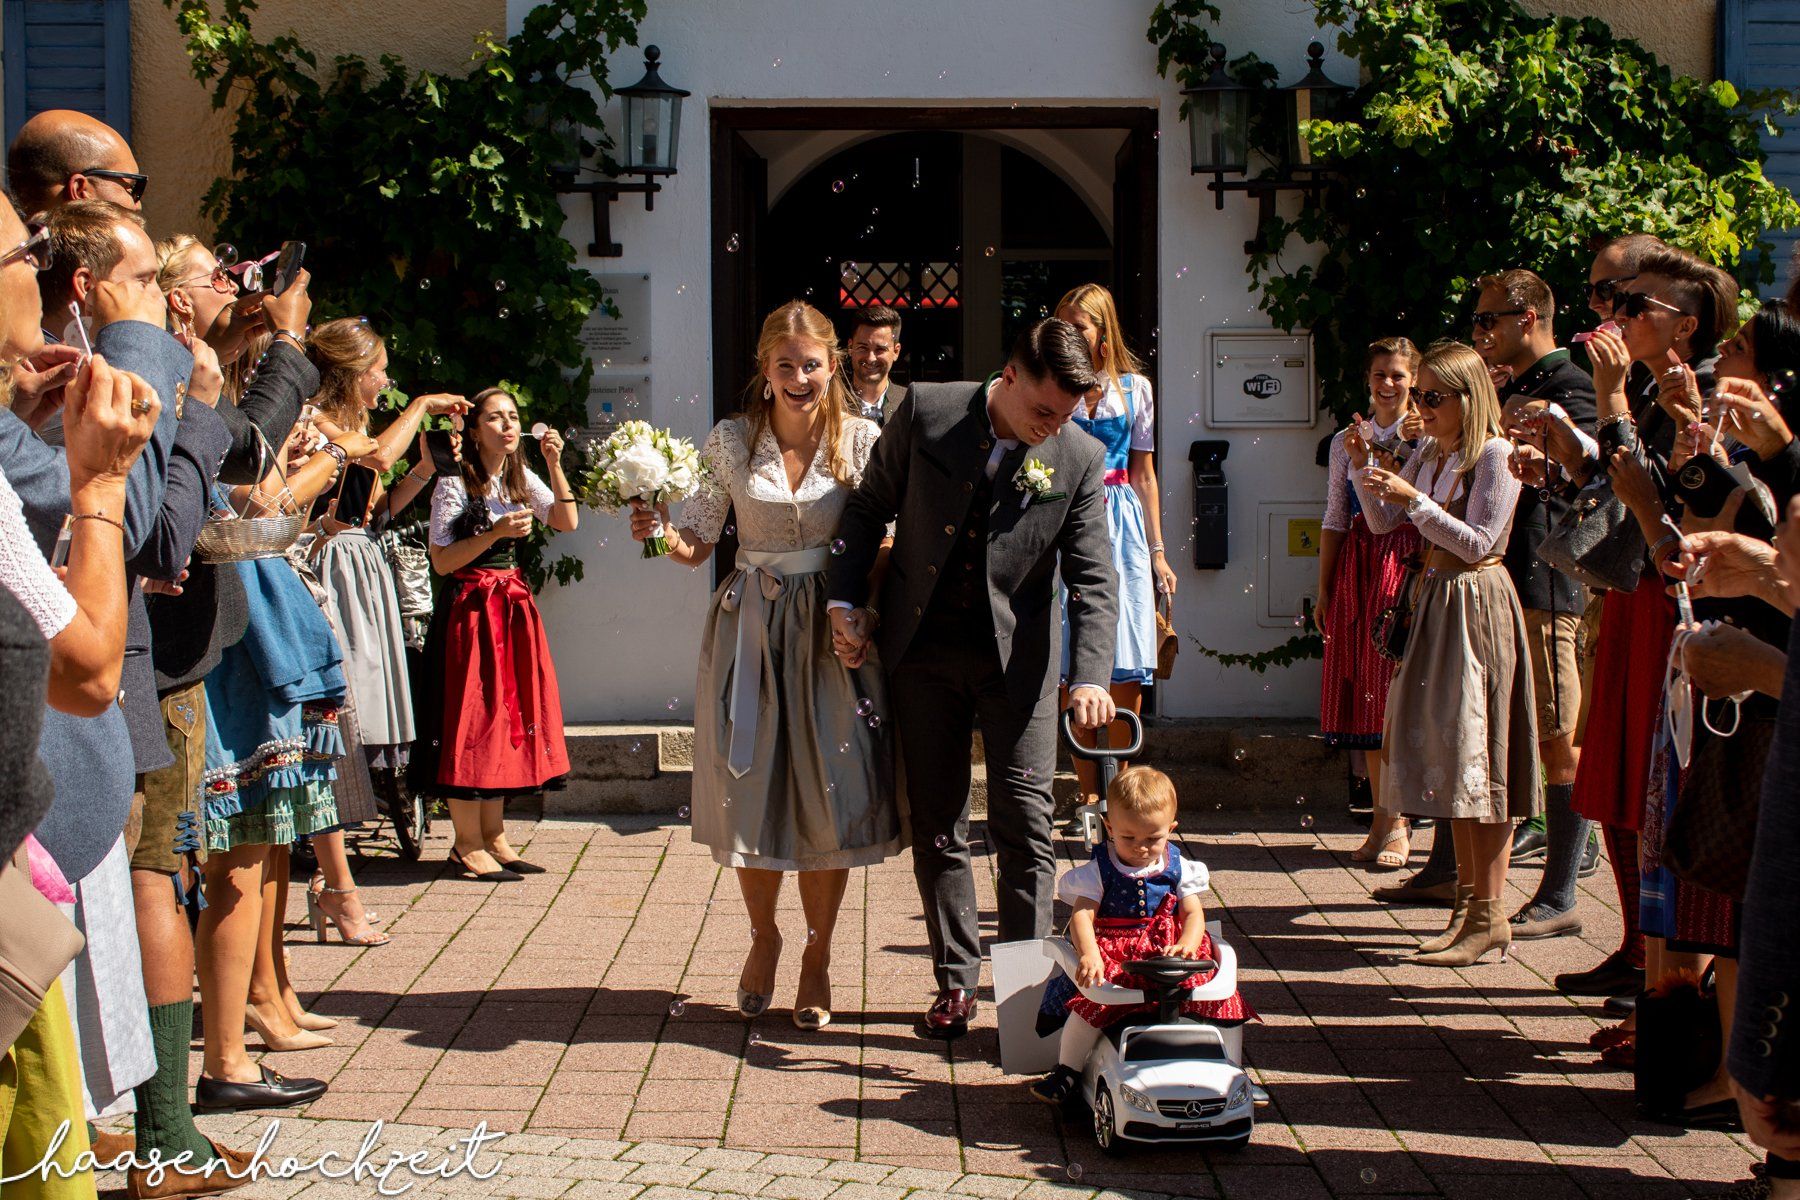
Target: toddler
{"points": [[1138, 898]]}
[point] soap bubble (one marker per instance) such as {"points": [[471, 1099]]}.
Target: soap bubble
{"points": [[874, 722], [673, 704], [941, 841], [1299, 799], [677, 1007], [682, 812], [843, 747], [424, 285], [776, 63], [837, 545], [1368, 1173], [837, 185], [1306, 822], [539, 429], [732, 243], [989, 252], [499, 285], [864, 707], [1240, 754], [504, 312], [1073, 1171], [812, 936], [731, 531]]}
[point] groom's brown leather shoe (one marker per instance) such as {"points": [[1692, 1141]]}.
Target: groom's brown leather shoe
{"points": [[949, 1015]]}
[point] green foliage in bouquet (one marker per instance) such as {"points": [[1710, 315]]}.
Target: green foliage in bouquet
{"points": [[427, 201]]}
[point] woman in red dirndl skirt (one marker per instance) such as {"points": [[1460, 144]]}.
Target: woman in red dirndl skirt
{"points": [[499, 723], [1360, 573]]}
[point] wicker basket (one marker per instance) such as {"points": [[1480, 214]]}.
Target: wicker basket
{"points": [[229, 536]]}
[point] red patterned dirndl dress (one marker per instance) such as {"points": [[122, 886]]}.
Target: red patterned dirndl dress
{"points": [[1636, 628], [1354, 685]]}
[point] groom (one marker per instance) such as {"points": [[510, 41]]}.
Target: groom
{"points": [[969, 625]]}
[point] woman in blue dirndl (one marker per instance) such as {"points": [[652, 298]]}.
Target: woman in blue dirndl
{"points": [[1123, 419]]}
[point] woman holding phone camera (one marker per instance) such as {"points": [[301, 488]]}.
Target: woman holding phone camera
{"points": [[1460, 727], [487, 640], [359, 585], [1360, 573]]}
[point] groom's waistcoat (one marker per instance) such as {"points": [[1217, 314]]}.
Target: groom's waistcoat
{"points": [[959, 608]]}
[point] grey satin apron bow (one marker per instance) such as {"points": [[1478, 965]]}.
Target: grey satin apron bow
{"points": [[761, 576]]}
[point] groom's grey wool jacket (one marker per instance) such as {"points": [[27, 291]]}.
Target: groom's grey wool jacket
{"points": [[924, 472]]}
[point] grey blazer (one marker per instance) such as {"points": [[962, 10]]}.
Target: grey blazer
{"points": [[91, 760], [1765, 1036], [924, 468]]}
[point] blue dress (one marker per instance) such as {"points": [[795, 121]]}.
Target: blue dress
{"points": [[1134, 659]]}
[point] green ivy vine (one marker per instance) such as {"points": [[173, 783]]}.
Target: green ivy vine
{"points": [[1487, 138], [427, 200]]}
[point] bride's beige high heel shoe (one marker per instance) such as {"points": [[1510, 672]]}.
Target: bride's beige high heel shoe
{"points": [[305, 1039]]}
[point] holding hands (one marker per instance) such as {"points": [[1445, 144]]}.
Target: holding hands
{"points": [[852, 629]]}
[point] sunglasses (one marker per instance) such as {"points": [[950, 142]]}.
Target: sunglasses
{"points": [[1636, 304], [35, 249], [133, 183], [1603, 290], [1430, 399], [1487, 320], [219, 277]]}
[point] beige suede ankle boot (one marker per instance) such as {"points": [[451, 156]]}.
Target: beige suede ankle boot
{"points": [[1485, 928], [1458, 910]]}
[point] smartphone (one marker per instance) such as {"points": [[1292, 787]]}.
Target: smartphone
{"points": [[443, 450], [59, 553], [287, 267], [355, 493]]}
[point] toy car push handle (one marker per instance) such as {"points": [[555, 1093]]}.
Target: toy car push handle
{"points": [[1101, 753]]}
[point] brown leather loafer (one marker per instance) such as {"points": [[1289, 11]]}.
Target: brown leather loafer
{"points": [[233, 1172], [949, 1015], [109, 1147]]}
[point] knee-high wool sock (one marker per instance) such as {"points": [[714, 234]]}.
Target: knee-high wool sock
{"points": [[165, 1121]]}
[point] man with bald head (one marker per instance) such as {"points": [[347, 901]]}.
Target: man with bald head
{"points": [[63, 155]]}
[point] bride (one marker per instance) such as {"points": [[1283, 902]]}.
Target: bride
{"points": [[794, 765]]}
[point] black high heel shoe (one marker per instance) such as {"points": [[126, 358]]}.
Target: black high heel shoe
{"points": [[501, 876], [521, 866]]}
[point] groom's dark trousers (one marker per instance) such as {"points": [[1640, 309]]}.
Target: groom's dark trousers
{"points": [[971, 635]]}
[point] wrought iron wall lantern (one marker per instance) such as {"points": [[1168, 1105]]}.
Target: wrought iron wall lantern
{"points": [[1219, 115], [652, 133]]}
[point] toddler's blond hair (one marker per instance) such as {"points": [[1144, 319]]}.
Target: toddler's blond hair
{"points": [[1143, 792]]}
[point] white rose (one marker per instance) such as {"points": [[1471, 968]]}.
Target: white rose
{"points": [[681, 478], [641, 469]]}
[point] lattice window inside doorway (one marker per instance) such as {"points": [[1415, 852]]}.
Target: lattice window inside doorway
{"points": [[899, 285]]}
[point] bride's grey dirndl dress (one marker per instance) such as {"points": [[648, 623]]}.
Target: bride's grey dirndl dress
{"points": [[793, 751]]}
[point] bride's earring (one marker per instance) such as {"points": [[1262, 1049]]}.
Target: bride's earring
{"points": [[768, 390]]}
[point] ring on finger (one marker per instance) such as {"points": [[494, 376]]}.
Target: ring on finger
{"points": [[139, 407]]}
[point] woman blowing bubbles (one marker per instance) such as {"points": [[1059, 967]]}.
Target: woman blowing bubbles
{"points": [[792, 768], [499, 731]]}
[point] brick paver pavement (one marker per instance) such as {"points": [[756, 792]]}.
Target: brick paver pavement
{"points": [[589, 1013]]}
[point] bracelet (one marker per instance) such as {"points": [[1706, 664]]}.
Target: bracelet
{"points": [[1615, 419], [414, 474], [874, 613], [1157, 548], [98, 516], [299, 339], [1664, 540], [564, 499], [336, 451]]}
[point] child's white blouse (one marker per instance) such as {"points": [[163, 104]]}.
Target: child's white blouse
{"points": [[1084, 883]]}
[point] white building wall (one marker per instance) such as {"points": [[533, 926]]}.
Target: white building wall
{"points": [[625, 641]]}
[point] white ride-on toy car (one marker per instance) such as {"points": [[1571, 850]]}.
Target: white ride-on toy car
{"points": [[1158, 1076], [1154, 1077]]}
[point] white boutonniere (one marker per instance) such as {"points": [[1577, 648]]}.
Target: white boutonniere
{"points": [[1034, 480]]}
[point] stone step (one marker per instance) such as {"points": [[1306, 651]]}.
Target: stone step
{"points": [[1257, 766]]}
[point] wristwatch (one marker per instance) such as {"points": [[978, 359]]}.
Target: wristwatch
{"points": [[1414, 503], [299, 339]]}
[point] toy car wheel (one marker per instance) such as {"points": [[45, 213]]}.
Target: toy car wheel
{"points": [[1106, 1129]]}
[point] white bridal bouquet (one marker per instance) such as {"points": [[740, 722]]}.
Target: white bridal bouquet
{"points": [[640, 462]]}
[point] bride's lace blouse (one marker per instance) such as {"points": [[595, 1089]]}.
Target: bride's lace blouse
{"points": [[753, 481]]}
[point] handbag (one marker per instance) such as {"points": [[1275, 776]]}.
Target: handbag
{"points": [[1596, 540], [1713, 828], [1393, 625], [1168, 643], [36, 943]]}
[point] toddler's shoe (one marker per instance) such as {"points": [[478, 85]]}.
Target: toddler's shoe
{"points": [[1058, 1087]]}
